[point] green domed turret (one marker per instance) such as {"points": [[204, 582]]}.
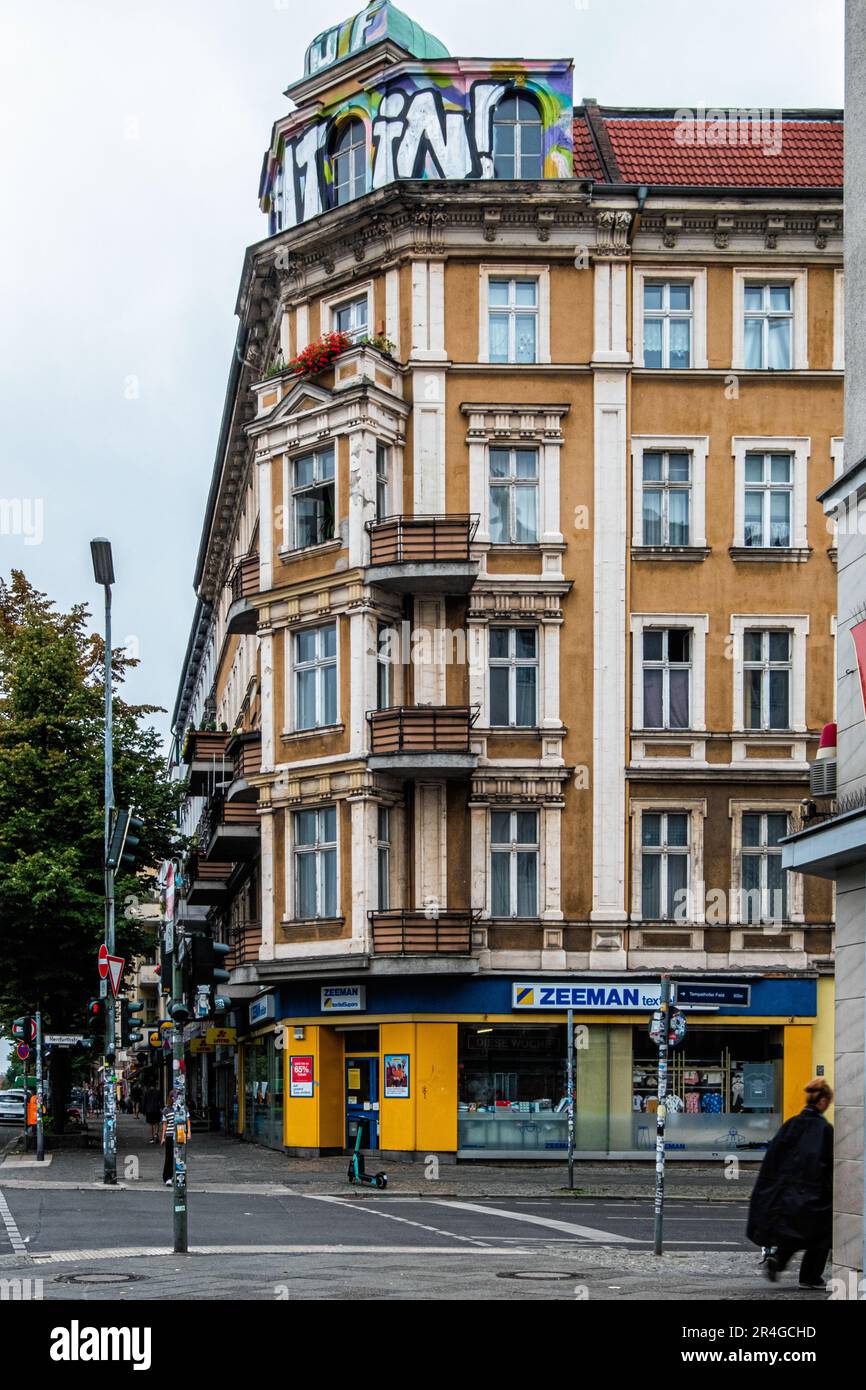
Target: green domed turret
{"points": [[380, 20]]}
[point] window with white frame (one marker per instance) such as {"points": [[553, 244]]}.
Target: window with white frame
{"points": [[664, 871], [517, 138], [383, 858], [513, 320], [768, 322], [768, 500], [513, 493], [315, 663], [349, 163], [313, 498], [351, 317], [315, 856], [386, 646], [667, 323], [763, 881], [383, 481], [513, 661], [767, 678], [514, 863], [667, 677], [667, 497]]}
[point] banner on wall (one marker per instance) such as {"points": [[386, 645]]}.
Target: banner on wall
{"points": [[301, 1078]]}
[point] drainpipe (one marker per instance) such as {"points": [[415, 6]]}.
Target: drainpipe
{"points": [[642, 194]]}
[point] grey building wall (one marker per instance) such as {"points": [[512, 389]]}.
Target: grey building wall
{"points": [[851, 888]]}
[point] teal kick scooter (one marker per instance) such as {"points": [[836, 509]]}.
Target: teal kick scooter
{"points": [[357, 1169]]}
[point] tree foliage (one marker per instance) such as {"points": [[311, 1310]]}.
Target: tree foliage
{"points": [[51, 804]]}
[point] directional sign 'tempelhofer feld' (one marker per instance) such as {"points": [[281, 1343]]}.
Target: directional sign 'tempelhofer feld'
{"points": [[714, 995]]}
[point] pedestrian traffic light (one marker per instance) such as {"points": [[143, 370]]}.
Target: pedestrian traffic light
{"points": [[128, 1023], [124, 843]]}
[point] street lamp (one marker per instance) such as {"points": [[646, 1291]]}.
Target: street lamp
{"points": [[103, 573]]}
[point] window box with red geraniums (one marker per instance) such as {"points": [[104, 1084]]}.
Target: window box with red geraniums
{"points": [[319, 355]]}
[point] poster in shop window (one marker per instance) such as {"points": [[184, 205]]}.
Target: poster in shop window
{"points": [[301, 1078], [396, 1075]]}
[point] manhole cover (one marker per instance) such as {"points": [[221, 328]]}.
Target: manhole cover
{"points": [[539, 1274], [98, 1278]]}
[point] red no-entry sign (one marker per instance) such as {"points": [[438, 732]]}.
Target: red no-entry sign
{"points": [[102, 961]]}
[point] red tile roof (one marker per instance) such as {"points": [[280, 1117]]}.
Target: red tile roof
{"points": [[586, 162], [795, 153]]}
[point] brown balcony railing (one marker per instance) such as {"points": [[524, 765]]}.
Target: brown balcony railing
{"points": [[245, 943], [201, 746], [400, 540], [245, 578], [421, 729], [203, 870], [401, 933], [245, 750]]}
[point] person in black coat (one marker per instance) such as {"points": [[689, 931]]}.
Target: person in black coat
{"points": [[792, 1202]]}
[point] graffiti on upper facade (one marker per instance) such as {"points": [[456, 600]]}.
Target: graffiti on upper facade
{"points": [[432, 123]]}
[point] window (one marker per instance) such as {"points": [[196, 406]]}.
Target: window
{"points": [[386, 643], [352, 318], [517, 142], [315, 863], [769, 491], [513, 320], [514, 496], [667, 667], [664, 865], [316, 677], [513, 676], [667, 495], [667, 323], [383, 858], [768, 325], [767, 679], [349, 163], [764, 884], [383, 482], [514, 863], [313, 498]]}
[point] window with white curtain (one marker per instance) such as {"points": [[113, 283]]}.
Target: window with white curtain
{"points": [[667, 675], [513, 486], [386, 646], [513, 659], [349, 163], [667, 323], [667, 497], [768, 502], [315, 662], [351, 318], [768, 325], [764, 883], [664, 865], [315, 855], [514, 863], [513, 320], [383, 481], [383, 857]]}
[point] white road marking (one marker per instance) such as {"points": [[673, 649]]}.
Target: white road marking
{"points": [[18, 1244], [585, 1232], [156, 1251], [353, 1205]]}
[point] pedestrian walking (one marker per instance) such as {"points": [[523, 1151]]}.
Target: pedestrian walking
{"points": [[152, 1111], [135, 1097], [792, 1202]]}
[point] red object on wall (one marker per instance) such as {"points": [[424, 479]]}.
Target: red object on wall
{"points": [[858, 632]]}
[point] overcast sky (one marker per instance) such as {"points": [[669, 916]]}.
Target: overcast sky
{"points": [[131, 138]]}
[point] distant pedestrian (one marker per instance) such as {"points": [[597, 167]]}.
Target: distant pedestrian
{"points": [[152, 1110], [135, 1098], [792, 1201]]}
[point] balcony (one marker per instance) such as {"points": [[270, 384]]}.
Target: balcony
{"points": [[245, 752], [207, 881], [429, 553], [244, 584], [207, 762], [245, 945], [422, 740], [228, 831], [414, 934]]}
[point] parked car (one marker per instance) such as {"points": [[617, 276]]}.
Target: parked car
{"points": [[12, 1107]]}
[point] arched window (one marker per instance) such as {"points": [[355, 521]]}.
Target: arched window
{"points": [[349, 163], [517, 127]]}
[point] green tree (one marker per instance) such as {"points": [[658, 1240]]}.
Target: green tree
{"points": [[51, 810]]}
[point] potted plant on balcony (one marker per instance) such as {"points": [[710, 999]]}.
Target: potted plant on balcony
{"points": [[318, 356]]}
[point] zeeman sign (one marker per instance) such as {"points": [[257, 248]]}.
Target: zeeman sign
{"points": [[610, 995]]}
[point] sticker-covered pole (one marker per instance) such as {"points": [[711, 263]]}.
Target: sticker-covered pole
{"points": [[661, 1113]]}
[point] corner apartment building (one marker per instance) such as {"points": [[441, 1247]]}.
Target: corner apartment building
{"points": [[515, 623]]}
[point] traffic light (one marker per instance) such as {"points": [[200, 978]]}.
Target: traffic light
{"points": [[206, 957], [124, 843], [128, 1023], [96, 1015]]}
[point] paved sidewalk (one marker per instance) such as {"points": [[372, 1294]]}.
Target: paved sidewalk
{"points": [[217, 1162]]}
